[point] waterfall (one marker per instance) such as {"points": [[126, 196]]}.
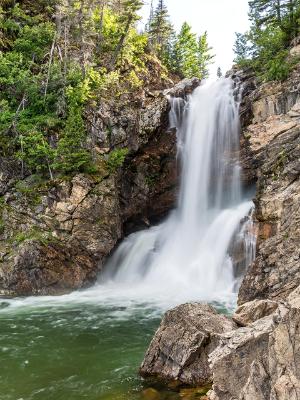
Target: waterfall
{"points": [[187, 257]]}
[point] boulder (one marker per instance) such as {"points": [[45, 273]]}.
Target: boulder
{"points": [[254, 310], [180, 348], [260, 361]]}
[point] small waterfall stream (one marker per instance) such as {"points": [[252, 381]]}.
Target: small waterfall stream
{"points": [[186, 257]]}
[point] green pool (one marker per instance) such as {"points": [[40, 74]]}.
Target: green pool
{"points": [[86, 345], [72, 352]]}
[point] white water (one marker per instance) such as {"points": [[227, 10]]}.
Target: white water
{"points": [[186, 257]]}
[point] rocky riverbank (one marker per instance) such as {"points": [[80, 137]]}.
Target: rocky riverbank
{"points": [[255, 355]]}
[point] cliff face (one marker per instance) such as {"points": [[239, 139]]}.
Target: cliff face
{"points": [[56, 235], [271, 137]]}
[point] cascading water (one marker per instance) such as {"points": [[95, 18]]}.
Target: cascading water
{"points": [[186, 257]]}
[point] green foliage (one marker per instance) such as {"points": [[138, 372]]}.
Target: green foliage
{"points": [[116, 159], [71, 153], [205, 58], [35, 234], [192, 56], [242, 49], [53, 70], [186, 52], [161, 32], [265, 47], [36, 152]]}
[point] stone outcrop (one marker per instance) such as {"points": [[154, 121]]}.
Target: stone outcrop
{"points": [[56, 239], [180, 348]]}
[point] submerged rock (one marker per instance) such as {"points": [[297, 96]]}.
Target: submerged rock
{"points": [[180, 348]]}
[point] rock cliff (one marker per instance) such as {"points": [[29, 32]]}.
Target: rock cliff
{"points": [[271, 136], [56, 235]]}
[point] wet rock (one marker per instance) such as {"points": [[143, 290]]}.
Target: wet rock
{"points": [[275, 272], [150, 394], [181, 346]]}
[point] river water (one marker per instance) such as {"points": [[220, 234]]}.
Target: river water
{"points": [[89, 344]]}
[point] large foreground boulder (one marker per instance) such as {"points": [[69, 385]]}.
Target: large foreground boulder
{"points": [[260, 361], [196, 346], [180, 348]]}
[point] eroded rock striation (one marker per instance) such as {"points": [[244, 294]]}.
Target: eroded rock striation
{"points": [[259, 361], [262, 360]]}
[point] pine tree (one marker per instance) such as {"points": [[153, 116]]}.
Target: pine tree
{"points": [[205, 58], [282, 13], [161, 31], [150, 19], [71, 155], [186, 53], [128, 17], [241, 48]]}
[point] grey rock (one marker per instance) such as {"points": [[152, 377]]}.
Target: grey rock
{"points": [[262, 360], [180, 348], [271, 152], [183, 88], [250, 312]]}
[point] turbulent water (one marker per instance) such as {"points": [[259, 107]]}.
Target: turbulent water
{"points": [[89, 344]]}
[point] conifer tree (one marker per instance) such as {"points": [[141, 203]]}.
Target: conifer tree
{"points": [[186, 52], [281, 13], [161, 31], [128, 17], [205, 58], [241, 48], [150, 19]]}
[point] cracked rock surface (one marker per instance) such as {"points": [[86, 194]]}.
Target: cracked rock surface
{"points": [[180, 348]]}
